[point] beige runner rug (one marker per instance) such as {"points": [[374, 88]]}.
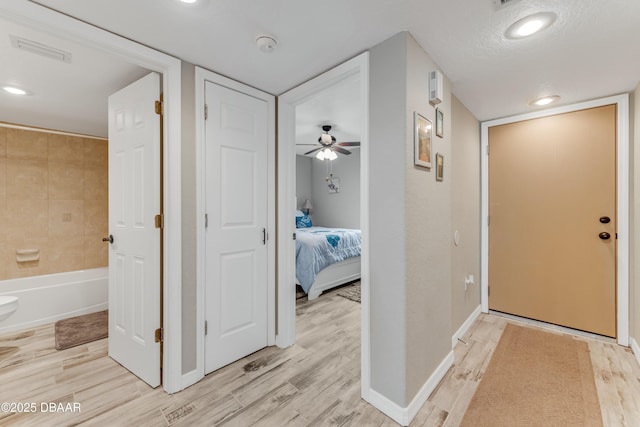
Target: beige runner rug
{"points": [[536, 378]]}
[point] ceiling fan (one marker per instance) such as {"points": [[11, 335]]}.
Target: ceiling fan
{"points": [[328, 146]]}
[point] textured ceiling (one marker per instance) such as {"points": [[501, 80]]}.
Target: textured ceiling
{"points": [[592, 50]]}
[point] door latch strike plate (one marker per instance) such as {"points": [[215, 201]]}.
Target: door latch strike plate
{"points": [[159, 335]]}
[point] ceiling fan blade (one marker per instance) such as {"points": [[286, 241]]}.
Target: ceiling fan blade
{"points": [[349, 144], [314, 150], [341, 150]]}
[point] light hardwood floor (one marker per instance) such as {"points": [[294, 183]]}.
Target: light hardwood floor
{"points": [[316, 382]]}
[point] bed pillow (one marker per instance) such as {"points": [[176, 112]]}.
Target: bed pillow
{"points": [[303, 221]]}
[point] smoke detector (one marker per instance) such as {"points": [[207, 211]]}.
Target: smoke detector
{"points": [[266, 44]]}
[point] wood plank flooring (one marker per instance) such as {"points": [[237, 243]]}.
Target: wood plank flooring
{"points": [[316, 382]]}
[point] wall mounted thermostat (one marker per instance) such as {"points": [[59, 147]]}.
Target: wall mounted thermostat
{"points": [[435, 87]]}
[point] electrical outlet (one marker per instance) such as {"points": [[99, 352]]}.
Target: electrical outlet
{"points": [[469, 280]]}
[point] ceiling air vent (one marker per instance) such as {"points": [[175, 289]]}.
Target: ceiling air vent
{"points": [[40, 49]]}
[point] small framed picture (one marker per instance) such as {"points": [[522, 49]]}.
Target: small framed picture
{"points": [[439, 122], [439, 167], [421, 141]]}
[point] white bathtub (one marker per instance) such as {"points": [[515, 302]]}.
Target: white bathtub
{"points": [[45, 299]]}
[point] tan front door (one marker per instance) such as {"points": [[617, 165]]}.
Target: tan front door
{"points": [[552, 189]]}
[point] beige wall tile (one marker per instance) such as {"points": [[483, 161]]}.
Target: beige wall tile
{"points": [[15, 269], [3, 220], [27, 218], [64, 148], [3, 261], [96, 182], [3, 142], [96, 216], [96, 151], [66, 218], [96, 252], [66, 181], [27, 179], [66, 254], [26, 144], [3, 178]]}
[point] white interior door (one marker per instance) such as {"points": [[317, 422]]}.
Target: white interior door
{"points": [[134, 255], [236, 138]]}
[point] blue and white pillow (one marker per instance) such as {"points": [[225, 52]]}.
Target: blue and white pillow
{"points": [[303, 221]]}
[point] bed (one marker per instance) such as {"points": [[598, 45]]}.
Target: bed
{"points": [[326, 258]]}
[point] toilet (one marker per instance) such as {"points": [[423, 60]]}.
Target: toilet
{"points": [[8, 304]]}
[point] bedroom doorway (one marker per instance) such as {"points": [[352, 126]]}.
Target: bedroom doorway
{"points": [[301, 110]]}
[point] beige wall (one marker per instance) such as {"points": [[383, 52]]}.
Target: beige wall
{"points": [[428, 228], [414, 308], [53, 197], [465, 196]]}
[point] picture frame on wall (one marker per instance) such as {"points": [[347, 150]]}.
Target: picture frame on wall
{"points": [[439, 123], [439, 167], [422, 141]]}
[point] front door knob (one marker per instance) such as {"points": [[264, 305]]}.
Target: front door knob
{"points": [[605, 219], [604, 235], [108, 239]]}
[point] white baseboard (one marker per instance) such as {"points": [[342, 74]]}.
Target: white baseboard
{"points": [[465, 326], [404, 416], [635, 348]]}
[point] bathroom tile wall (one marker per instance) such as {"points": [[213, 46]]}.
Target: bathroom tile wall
{"points": [[53, 197]]}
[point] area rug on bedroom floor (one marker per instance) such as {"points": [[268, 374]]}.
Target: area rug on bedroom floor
{"points": [[351, 292], [536, 378], [81, 329]]}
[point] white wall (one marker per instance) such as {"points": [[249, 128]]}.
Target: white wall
{"points": [[340, 209], [634, 273]]}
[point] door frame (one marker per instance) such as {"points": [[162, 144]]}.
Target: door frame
{"points": [[201, 77], [48, 20], [622, 207], [287, 102]]}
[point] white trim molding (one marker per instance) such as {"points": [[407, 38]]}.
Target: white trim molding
{"points": [[622, 166], [45, 19], [635, 348], [201, 77], [404, 416], [465, 326], [287, 103]]}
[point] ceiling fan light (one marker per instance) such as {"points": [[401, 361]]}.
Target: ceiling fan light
{"points": [[320, 155], [331, 156]]}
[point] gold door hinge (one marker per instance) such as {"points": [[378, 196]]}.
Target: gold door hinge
{"points": [[159, 220], [159, 335], [159, 108]]}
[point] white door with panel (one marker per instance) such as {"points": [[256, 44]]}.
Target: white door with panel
{"points": [[134, 250], [236, 147]]}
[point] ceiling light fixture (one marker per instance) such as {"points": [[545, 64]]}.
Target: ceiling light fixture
{"points": [[545, 100], [326, 154], [14, 90], [188, 1], [530, 25]]}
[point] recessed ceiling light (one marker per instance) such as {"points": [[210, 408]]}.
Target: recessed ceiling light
{"points": [[14, 90], [545, 100], [530, 25], [188, 1]]}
